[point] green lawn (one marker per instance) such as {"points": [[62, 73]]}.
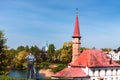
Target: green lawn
{"points": [[2, 77]]}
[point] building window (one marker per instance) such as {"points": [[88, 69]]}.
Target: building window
{"points": [[116, 71], [116, 78], [111, 78], [105, 72], [111, 71], [105, 78], [99, 72], [93, 72]]}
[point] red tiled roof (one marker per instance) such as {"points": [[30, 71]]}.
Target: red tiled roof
{"points": [[94, 58], [70, 73], [76, 28]]}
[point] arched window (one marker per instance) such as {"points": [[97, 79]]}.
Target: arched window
{"points": [[93, 72]]}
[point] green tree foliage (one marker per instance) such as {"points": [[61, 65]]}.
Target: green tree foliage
{"points": [[27, 48], [3, 57], [83, 48], [37, 52], [106, 49], [51, 51], [20, 48], [19, 54], [13, 53], [59, 68], [118, 49], [2, 42], [19, 61], [57, 55], [66, 52]]}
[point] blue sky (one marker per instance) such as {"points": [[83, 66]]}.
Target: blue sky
{"points": [[33, 22]]}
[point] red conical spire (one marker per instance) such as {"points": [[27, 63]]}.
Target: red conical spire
{"points": [[76, 28]]}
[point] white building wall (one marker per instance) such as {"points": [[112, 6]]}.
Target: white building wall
{"points": [[118, 72], [112, 73], [109, 74], [102, 73]]}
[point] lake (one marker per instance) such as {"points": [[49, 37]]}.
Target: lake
{"points": [[23, 74]]}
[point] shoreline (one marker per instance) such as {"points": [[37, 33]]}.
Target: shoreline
{"points": [[47, 72]]}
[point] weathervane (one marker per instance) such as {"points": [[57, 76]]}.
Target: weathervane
{"points": [[76, 11]]}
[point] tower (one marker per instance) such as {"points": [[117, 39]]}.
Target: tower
{"points": [[46, 46], [76, 39]]}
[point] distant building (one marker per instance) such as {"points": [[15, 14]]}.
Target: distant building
{"points": [[90, 64], [46, 46], [115, 55]]}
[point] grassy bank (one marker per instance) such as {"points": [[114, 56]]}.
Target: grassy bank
{"points": [[2, 77], [47, 65]]}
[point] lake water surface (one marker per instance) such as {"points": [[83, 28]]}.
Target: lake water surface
{"points": [[23, 74]]}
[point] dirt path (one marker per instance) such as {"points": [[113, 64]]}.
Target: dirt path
{"points": [[47, 72]]}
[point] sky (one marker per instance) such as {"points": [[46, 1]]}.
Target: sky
{"points": [[33, 22]]}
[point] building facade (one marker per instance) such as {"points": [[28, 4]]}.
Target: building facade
{"points": [[90, 64]]}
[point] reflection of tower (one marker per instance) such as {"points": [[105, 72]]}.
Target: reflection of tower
{"points": [[76, 40], [46, 46]]}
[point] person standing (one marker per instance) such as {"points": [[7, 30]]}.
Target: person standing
{"points": [[30, 66]]}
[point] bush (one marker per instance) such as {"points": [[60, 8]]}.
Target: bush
{"points": [[44, 65], [60, 67]]}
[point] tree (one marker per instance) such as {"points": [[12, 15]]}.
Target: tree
{"points": [[106, 49], [66, 52], [43, 54], [57, 55], [20, 48], [118, 49], [19, 61], [36, 51], [3, 59], [27, 48], [2, 42], [51, 51]]}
